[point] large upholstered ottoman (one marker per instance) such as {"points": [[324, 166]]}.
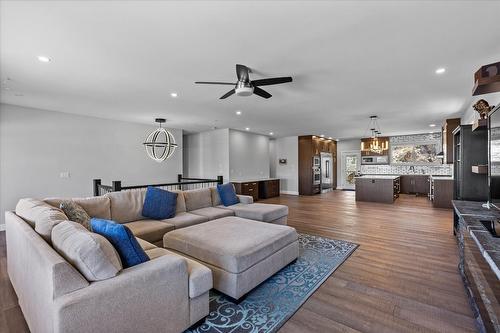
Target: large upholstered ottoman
{"points": [[241, 253], [271, 213]]}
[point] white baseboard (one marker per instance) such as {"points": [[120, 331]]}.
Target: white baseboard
{"points": [[2, 227], [290, 192]]}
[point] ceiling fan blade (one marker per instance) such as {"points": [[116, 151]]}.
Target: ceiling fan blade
{"points": [[229, 93], [273, 80], [242, 73], [225, 83], [261, 92]]}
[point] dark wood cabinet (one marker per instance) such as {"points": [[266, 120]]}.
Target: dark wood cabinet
{"points": [[447, 139], [259, 189], [470, 148], [442, 192], [415, 184], [269, 188], [311, 146], [248, 188], [377, 189]]}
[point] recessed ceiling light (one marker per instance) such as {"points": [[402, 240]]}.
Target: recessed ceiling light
{"points": [[432, 125], [43, 59], [330, 138], [173, 94], [238, 113], [322, 135], [247, 128], [271, 133], [440, 70]]}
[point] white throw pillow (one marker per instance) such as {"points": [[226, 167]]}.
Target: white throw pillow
{"points": [[40, 215], [92, 254]]}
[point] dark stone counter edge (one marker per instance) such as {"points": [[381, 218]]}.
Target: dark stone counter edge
{"points": [[472, 212]]}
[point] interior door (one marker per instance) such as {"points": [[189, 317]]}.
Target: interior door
{"points": [[351, 164]]}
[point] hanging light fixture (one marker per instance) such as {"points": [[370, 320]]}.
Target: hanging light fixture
{"points": [[160, 144], [377, 145]]}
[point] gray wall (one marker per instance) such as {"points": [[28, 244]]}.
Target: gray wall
{"points": [[206, 154], [248, 155], [287, 147], [233, 154], [37, 145]]}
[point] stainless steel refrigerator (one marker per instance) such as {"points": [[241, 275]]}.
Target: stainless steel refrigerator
{"points": [[326, 172]]}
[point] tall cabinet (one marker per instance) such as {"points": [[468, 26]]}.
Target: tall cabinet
{"points": [[447, 139], [310, 149], [470, 150]]}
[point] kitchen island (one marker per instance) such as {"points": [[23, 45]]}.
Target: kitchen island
{"points": [[377, 188]]}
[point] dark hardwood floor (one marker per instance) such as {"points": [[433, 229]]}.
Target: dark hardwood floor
{"points": [[402, 278]]}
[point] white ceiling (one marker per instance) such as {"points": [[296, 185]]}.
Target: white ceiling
{"points": [[122, 59]]}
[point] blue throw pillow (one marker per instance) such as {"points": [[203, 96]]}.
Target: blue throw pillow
{"points": [[159, 204], [227, 194], [124, 242]]}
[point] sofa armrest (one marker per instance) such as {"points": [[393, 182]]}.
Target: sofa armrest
{"points": [[150, 297], [245, 199]]}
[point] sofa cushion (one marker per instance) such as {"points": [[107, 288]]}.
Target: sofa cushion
{"points": [[200, 276], [258, 211], [231, 243], [159, 204], [227, 194], [75, 213], [150, 230], [94, 206], [215, 197], [182, 220], [196, 199], [145, 245], [90, 253], [126, 206], [181, 204], [212, 213], [40, 215], [123, 241]]}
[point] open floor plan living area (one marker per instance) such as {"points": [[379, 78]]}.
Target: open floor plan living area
{"points": [[249, 166]]}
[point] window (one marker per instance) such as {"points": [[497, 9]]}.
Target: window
{"points": [[417, 153]]}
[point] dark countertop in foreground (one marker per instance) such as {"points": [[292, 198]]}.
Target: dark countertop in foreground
{"points": [[472, 213]]}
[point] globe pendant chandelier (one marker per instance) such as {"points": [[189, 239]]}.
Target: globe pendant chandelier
{"points": [[160, 144]]}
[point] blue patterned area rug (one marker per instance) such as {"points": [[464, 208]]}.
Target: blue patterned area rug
{"points": [[273, 302]]}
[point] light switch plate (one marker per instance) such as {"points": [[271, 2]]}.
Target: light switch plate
{"points": [[64, 174]]}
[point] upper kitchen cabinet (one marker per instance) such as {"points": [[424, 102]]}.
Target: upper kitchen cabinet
{"points": [[447, 139]]}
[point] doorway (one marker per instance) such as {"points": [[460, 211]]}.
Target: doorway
{"points": [[350, 165]]}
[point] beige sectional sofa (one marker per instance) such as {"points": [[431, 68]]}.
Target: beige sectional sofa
{"points": [[169, 293], [193, 207]]}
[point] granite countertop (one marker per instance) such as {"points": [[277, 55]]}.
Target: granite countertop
{"points": [[408, 174], [441, 177], [377, 177], [251, 180], [472, 213]]}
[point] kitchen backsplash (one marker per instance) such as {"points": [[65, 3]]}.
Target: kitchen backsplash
{"points": [[416, 138], [402, 169], [442, 169]]}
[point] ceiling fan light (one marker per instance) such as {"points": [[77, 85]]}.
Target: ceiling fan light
{"points": [[244, 91]]}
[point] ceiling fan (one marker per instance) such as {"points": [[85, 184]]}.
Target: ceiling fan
{"points": [[245, 87]]}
